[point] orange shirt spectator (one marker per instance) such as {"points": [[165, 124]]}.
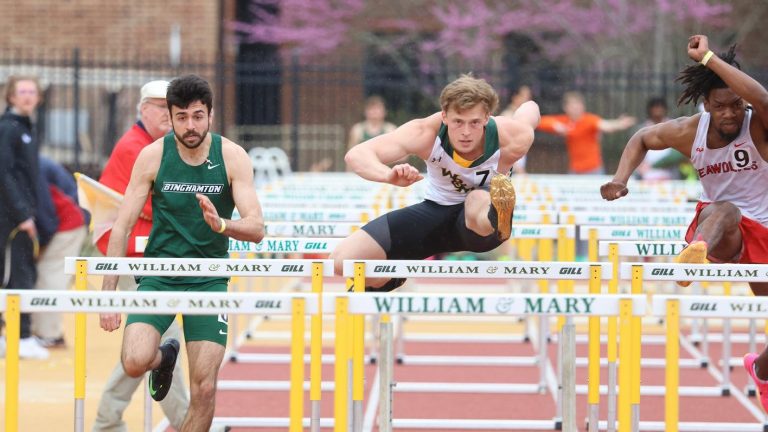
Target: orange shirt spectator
{"points": [[582, 140], [581, 131]]}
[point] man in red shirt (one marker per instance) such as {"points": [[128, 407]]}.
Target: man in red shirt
{"points": [[154, 122], [582, 133]]}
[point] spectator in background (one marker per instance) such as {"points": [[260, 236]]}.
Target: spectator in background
{"points": [[67, 240], [374, 124], [679, 163], [656, 112], [153, 123], [581, 130], [522, 95], [46, 219], [18, 199]]}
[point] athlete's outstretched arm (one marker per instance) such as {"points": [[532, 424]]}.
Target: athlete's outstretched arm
{"points": [[416, 137], [677, 134], [620, 123], [142, 177], [528, 113], [516, 133], [250, 226], [741, 84]]}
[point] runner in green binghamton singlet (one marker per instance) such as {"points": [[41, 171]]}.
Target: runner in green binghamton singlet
{"points": [[196, 179], [176, 231]]}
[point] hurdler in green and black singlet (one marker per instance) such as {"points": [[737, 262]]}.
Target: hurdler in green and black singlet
{"points": [[180, 231]]}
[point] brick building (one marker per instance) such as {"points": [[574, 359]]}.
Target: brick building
{"points": [[115, 29]]}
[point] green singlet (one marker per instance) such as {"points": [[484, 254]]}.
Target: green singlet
{"points": [[179, 231], [178, 227]]}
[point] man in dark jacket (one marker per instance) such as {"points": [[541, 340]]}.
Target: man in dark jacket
{"points": [[68, 223], [18, 197]]}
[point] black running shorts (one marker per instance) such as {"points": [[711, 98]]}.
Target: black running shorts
{"points": [[425, 229]]}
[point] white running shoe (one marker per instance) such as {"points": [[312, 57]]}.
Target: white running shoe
{"points": [[30, 348]]}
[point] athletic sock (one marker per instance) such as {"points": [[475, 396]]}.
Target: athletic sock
{"points": [[391, 285], [167, 358], [493, 217]]}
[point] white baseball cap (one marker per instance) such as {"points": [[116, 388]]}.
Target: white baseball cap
{"points": [[154, 89]]}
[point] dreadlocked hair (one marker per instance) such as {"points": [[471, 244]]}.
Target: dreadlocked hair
{"points": [[698, 80]]}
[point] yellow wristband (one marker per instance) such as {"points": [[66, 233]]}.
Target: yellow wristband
{"points": [[706, 58], [223, 226]]}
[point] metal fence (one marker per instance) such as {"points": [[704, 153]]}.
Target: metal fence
{"points": [[304, 109]]}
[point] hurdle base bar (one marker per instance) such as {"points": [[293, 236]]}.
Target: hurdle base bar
{"points": [[272, 358], [283, 335], [696, 426], [650, 362], [473, 424], [718, 337], [695, 339], [700, 391], [447, 387], [446, 338], [266, 422], [733, 363], [252, 385], [434, 360]]}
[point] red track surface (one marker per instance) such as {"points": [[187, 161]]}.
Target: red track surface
{"points": [[482, 406]]}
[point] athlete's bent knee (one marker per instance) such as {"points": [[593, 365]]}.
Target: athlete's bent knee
{"points": [[134, 365], [206, 390], [476, 198], [727, 209], [338, 262]]}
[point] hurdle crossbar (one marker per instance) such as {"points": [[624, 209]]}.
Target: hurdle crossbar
{"points": [[501, 304], [281, 245], [81, 302], [675, 307], [227, 302], [634, 232], [310, 229], [526, 236], [612, 218], [698, 272], [489, 304], [552, 270], [221, 267], [316, 215], [643, 248]]}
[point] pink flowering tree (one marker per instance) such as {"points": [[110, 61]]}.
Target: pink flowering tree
{"points": [[472, 31], [312, 27], [471, 34], [571, 31]]}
